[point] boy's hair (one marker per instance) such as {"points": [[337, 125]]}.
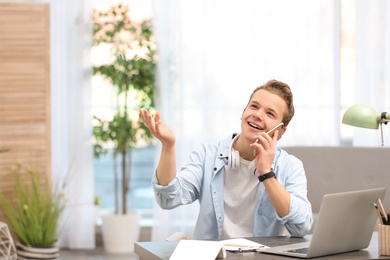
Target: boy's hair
{"points": [[282, 90]]}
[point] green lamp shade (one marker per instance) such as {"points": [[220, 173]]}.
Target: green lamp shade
{"points": [[361, 116]]}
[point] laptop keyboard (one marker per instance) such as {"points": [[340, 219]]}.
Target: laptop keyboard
{"points": [[299, 250]]}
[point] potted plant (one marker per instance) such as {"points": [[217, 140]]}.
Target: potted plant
{"points": [[33, 212], [97, 201], [132, 73]]}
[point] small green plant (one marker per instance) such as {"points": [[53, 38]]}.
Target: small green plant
{"points": [[34, 212], [97, 201]]}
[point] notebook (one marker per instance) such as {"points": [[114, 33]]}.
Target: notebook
{"points": [[346, 222]]}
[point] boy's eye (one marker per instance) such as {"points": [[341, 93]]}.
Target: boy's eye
{"points": [[271, 114]]}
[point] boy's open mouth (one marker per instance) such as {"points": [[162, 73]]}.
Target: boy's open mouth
{"points": [[255, 126]]}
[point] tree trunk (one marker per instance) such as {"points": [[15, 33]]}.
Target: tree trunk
{"points": [[116, 188], [125, 187]]}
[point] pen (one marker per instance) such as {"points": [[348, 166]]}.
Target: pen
{"points": [[379, 214], [245, 249], [382, 209], [249, 249], [243, 246]]}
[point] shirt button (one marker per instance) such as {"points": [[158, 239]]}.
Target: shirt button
{"points": [[215, 168]]}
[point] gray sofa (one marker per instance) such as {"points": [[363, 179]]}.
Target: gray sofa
{"points": [[339, 169]]}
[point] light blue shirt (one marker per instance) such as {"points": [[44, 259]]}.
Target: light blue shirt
{"points": [[202, 179]]}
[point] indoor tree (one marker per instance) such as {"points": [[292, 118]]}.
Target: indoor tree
{"points": [[132, 73]]}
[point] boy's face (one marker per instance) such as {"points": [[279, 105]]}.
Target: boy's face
{"points": [[264, 111]]}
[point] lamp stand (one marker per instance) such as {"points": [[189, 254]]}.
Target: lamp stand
{"points": [[384, 120]]}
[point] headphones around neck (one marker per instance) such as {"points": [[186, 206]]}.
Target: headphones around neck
{"points": [[234, 157]]}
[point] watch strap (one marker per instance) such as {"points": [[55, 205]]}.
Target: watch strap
{"points": [[267, 176]]}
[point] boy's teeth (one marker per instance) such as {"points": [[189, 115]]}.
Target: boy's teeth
{"points": [[255, 126]]}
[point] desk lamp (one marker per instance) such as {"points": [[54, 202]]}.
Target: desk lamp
{"points": [[365, 117]]}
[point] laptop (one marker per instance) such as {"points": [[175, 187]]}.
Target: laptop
{"points": [[346, 222]]}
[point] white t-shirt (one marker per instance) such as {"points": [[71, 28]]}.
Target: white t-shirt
{"points": [[240, 190]]}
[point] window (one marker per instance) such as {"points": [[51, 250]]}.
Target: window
{"points": [[207, 72], [142, 167]]}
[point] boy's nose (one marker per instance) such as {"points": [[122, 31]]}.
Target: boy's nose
{"points": [[259, 114]]}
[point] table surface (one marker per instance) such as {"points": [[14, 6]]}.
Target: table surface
{"points": [[163, 250]]}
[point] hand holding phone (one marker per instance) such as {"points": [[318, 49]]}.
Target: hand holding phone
{"points": [[277, 127], [271, 133]]}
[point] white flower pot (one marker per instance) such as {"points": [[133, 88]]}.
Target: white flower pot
{"points": [[120, 232], [31, 252]]}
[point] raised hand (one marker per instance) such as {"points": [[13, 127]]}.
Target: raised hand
{"points": [[158, 129]]}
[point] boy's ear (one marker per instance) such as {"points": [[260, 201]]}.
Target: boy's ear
{"points": [[281, 132]]}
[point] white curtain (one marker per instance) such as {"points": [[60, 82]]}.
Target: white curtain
{"points": [[373, 65], [213, 53], [72, 157]]}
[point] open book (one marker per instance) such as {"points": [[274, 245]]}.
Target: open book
{"points": [[242, 245]]}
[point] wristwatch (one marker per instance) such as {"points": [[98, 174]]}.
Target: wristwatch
{"points": [[267, 175]]}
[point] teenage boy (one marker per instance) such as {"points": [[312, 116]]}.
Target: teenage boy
{"points": [[245, 184]]}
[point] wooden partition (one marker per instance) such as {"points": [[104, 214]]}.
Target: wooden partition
{"points": [[24, 88]]}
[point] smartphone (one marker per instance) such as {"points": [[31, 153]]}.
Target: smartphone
{"points": [[271, 133], [279, 127]]}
